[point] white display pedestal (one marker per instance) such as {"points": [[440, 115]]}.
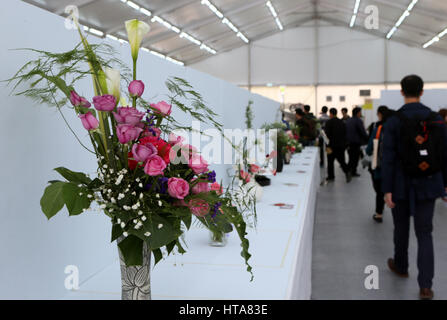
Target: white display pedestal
{"points": [[281, 249]]}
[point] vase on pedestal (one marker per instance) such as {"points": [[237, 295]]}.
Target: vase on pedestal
{"points": [[135, 280]]}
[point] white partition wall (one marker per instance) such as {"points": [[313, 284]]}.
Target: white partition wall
{"points": [[34, 140]]}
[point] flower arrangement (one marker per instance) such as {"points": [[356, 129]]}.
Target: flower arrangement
{"points": [[149, 183]]}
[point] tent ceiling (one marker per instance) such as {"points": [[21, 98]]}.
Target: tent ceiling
{"points": [[252, 18]]}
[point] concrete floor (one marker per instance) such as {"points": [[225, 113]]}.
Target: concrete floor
{"points": [[347, 240]]}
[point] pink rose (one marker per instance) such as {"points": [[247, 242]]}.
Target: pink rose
{"points": [[143, 152], [178, 188], [127, 133], [136, 88], [78, 101], [89, 121], [200, 187], [198, 164], [155, 166], [104, 103], [173, 139], [162, 108], [128, 115], [199, 207], [217, 187]]}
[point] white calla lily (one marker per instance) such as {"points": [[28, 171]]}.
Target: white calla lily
{"points": [[136, 30], [113, 78]]}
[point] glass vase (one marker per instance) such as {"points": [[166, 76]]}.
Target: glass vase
{"points": [[218, 239]]}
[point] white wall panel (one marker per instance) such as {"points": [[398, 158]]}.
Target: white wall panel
{"points": [[34, 140]]}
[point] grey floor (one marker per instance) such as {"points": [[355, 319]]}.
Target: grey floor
{"points": [[347, 240]]}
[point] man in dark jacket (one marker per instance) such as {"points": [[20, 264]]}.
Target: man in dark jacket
{"points": [[335, 130], [357, 137], [410, 196]]}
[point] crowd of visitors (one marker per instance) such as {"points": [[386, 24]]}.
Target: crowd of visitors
{"points": [[407, 164]]}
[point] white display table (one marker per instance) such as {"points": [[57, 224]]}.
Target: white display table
{"points": [[281, 249]]}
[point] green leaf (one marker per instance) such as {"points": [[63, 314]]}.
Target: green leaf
{"points": [[77, 177], [161, 236], [158, 256], [75, 202], [117, 231], [131, 248], [52, 200]]}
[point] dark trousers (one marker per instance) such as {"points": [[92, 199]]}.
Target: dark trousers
{"points": [[380, 202], [322, 151], [354, 157], [338, 153], [423, 224]]}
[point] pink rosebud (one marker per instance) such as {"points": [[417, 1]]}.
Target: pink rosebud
{"points": [[78, 101], [201, 187], [128, 115], [245, 176], [141, 153], [198, 164], [104, 103], [127, 133], [136, 88], [217, 187], [173, 139], [254, 168], [155, 166], [199, 207], [163, 108], [89, 121], [178, 188]]}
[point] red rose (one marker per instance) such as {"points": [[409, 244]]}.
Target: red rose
{"points": [[131, 162], [162, 146]]}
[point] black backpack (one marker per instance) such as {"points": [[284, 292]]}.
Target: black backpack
{"points": [[422, 142]]}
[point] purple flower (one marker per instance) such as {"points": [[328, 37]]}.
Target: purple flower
{"points": [[136, 88], [106, 102], [215, 209], [163, 185], [212, 176]]}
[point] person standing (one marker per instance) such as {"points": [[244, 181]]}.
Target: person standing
{"points": [[414, 175], [345, 116], [375, 148], [356, 136], [324, 117], [335, 130], [307, 127], [443, 113]]}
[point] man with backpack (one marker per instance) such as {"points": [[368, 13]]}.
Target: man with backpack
{"points": [[414, 175]]}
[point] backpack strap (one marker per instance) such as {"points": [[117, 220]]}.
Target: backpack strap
{"points": [[379, 131]]}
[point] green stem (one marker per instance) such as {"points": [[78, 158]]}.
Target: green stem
{"points": [[134, 99]]}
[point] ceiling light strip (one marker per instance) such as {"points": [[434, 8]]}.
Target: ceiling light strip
{"points": [[435, 39], [274, 14], [135, 6], [225, 20], [354, 15], [402, 18]]}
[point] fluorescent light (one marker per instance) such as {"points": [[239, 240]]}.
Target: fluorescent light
{"points": [[213, 8], [165, 24], [133, 5], [402, 18], [225, 20], [210, 50], [96, 32], [112, 37], [354, 15], [274, 14], [175, 61], [190, 38], [146, 12], [435, 39]]}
